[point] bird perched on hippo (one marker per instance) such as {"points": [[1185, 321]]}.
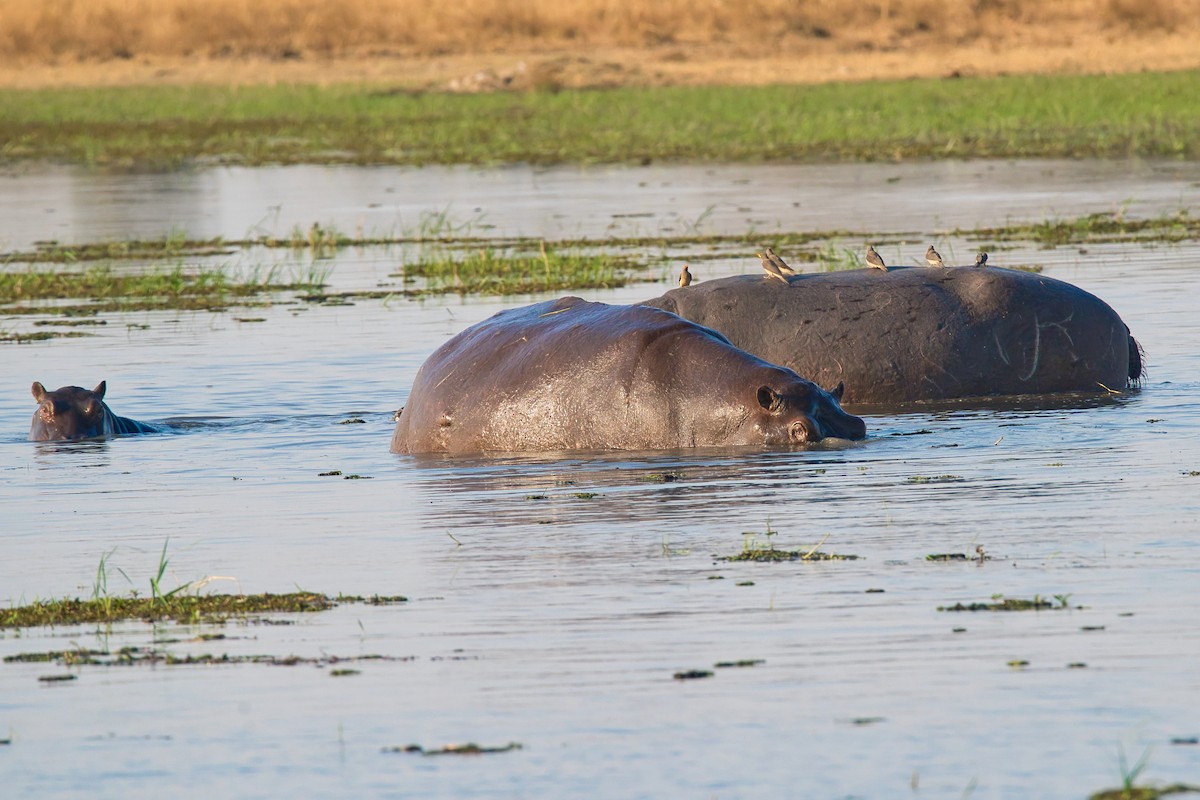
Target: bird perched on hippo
{"points": [[572, 375]]}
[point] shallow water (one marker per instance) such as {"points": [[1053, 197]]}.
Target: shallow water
{"points": [[559, 622]]}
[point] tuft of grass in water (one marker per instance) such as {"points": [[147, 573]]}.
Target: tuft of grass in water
{"points": [[837, 258], [173, 245], [39, 336], [763, 550], [1112, 116], [100, 282], [177, 607], [1097, 228], [173, 604], [1130, 774], [491, 272], [1001, 603], [466, 749], [920, 479]]}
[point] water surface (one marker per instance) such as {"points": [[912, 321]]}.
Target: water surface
{"points": [[559, 622]]}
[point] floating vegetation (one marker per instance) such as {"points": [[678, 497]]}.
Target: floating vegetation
{"points": [[934, 479], [199, 289], [451, 259], [979, 557], [468, 749], [662, 477], [488, 271], [1001, 603], [771, 554], [137, 656], [585, 495], [101, 282], [40, 336], [1097, 228], [1145, 792], [175, 606], [70, 323], [1129, 775], [693, 674], [755, 549], [745, 662]]}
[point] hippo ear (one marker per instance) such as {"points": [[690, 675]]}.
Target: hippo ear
{"points": [[99, 390], [838, 391], [39, 391], [768, 398]]}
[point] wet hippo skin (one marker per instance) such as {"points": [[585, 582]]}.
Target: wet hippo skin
{"points": [[916, 334], [572, 375]]}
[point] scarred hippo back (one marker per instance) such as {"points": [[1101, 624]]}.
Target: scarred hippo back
{"points": [[72, 413], [917, 335], [573, 375]]}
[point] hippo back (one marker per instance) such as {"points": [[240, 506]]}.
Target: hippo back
{"points": [[918, 335]]}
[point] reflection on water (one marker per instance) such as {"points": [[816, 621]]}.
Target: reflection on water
{"points": [[73, 206], [552, 598]]}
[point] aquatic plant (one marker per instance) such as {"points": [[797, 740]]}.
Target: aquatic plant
{"points": [[487, 270]]}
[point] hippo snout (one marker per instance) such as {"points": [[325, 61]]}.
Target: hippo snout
{"points": [[852, 427], [841, 425]]}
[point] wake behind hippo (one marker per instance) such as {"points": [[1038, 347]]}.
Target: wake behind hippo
{"points": [[572, 375], [73, 413]]}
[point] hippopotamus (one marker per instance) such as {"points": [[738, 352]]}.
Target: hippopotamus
{"points": [[913, 335], [567, 374], [72, 413]]}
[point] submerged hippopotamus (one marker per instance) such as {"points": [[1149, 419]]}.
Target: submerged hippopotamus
{"points": [[72, 413], [572, 375], [916, 334]]}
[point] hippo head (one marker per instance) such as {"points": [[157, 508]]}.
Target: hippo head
{"points": [[799, 412], [67, 414]]}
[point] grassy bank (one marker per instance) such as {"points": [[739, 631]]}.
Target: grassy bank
{"points": [[1150, 114]]}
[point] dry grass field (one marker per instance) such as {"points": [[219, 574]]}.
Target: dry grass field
{"points": [[480, 44]]}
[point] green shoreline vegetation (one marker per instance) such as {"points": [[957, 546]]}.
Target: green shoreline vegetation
{"points": [[324, 241], [1142, 114], [451, 259]]}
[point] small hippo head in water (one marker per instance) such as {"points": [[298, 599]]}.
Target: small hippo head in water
{"points": [[73, 413], [802, 412], [68, 413]]}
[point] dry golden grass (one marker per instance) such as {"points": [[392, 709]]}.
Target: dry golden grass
{"points": [[48, 42], [107, 29]]}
